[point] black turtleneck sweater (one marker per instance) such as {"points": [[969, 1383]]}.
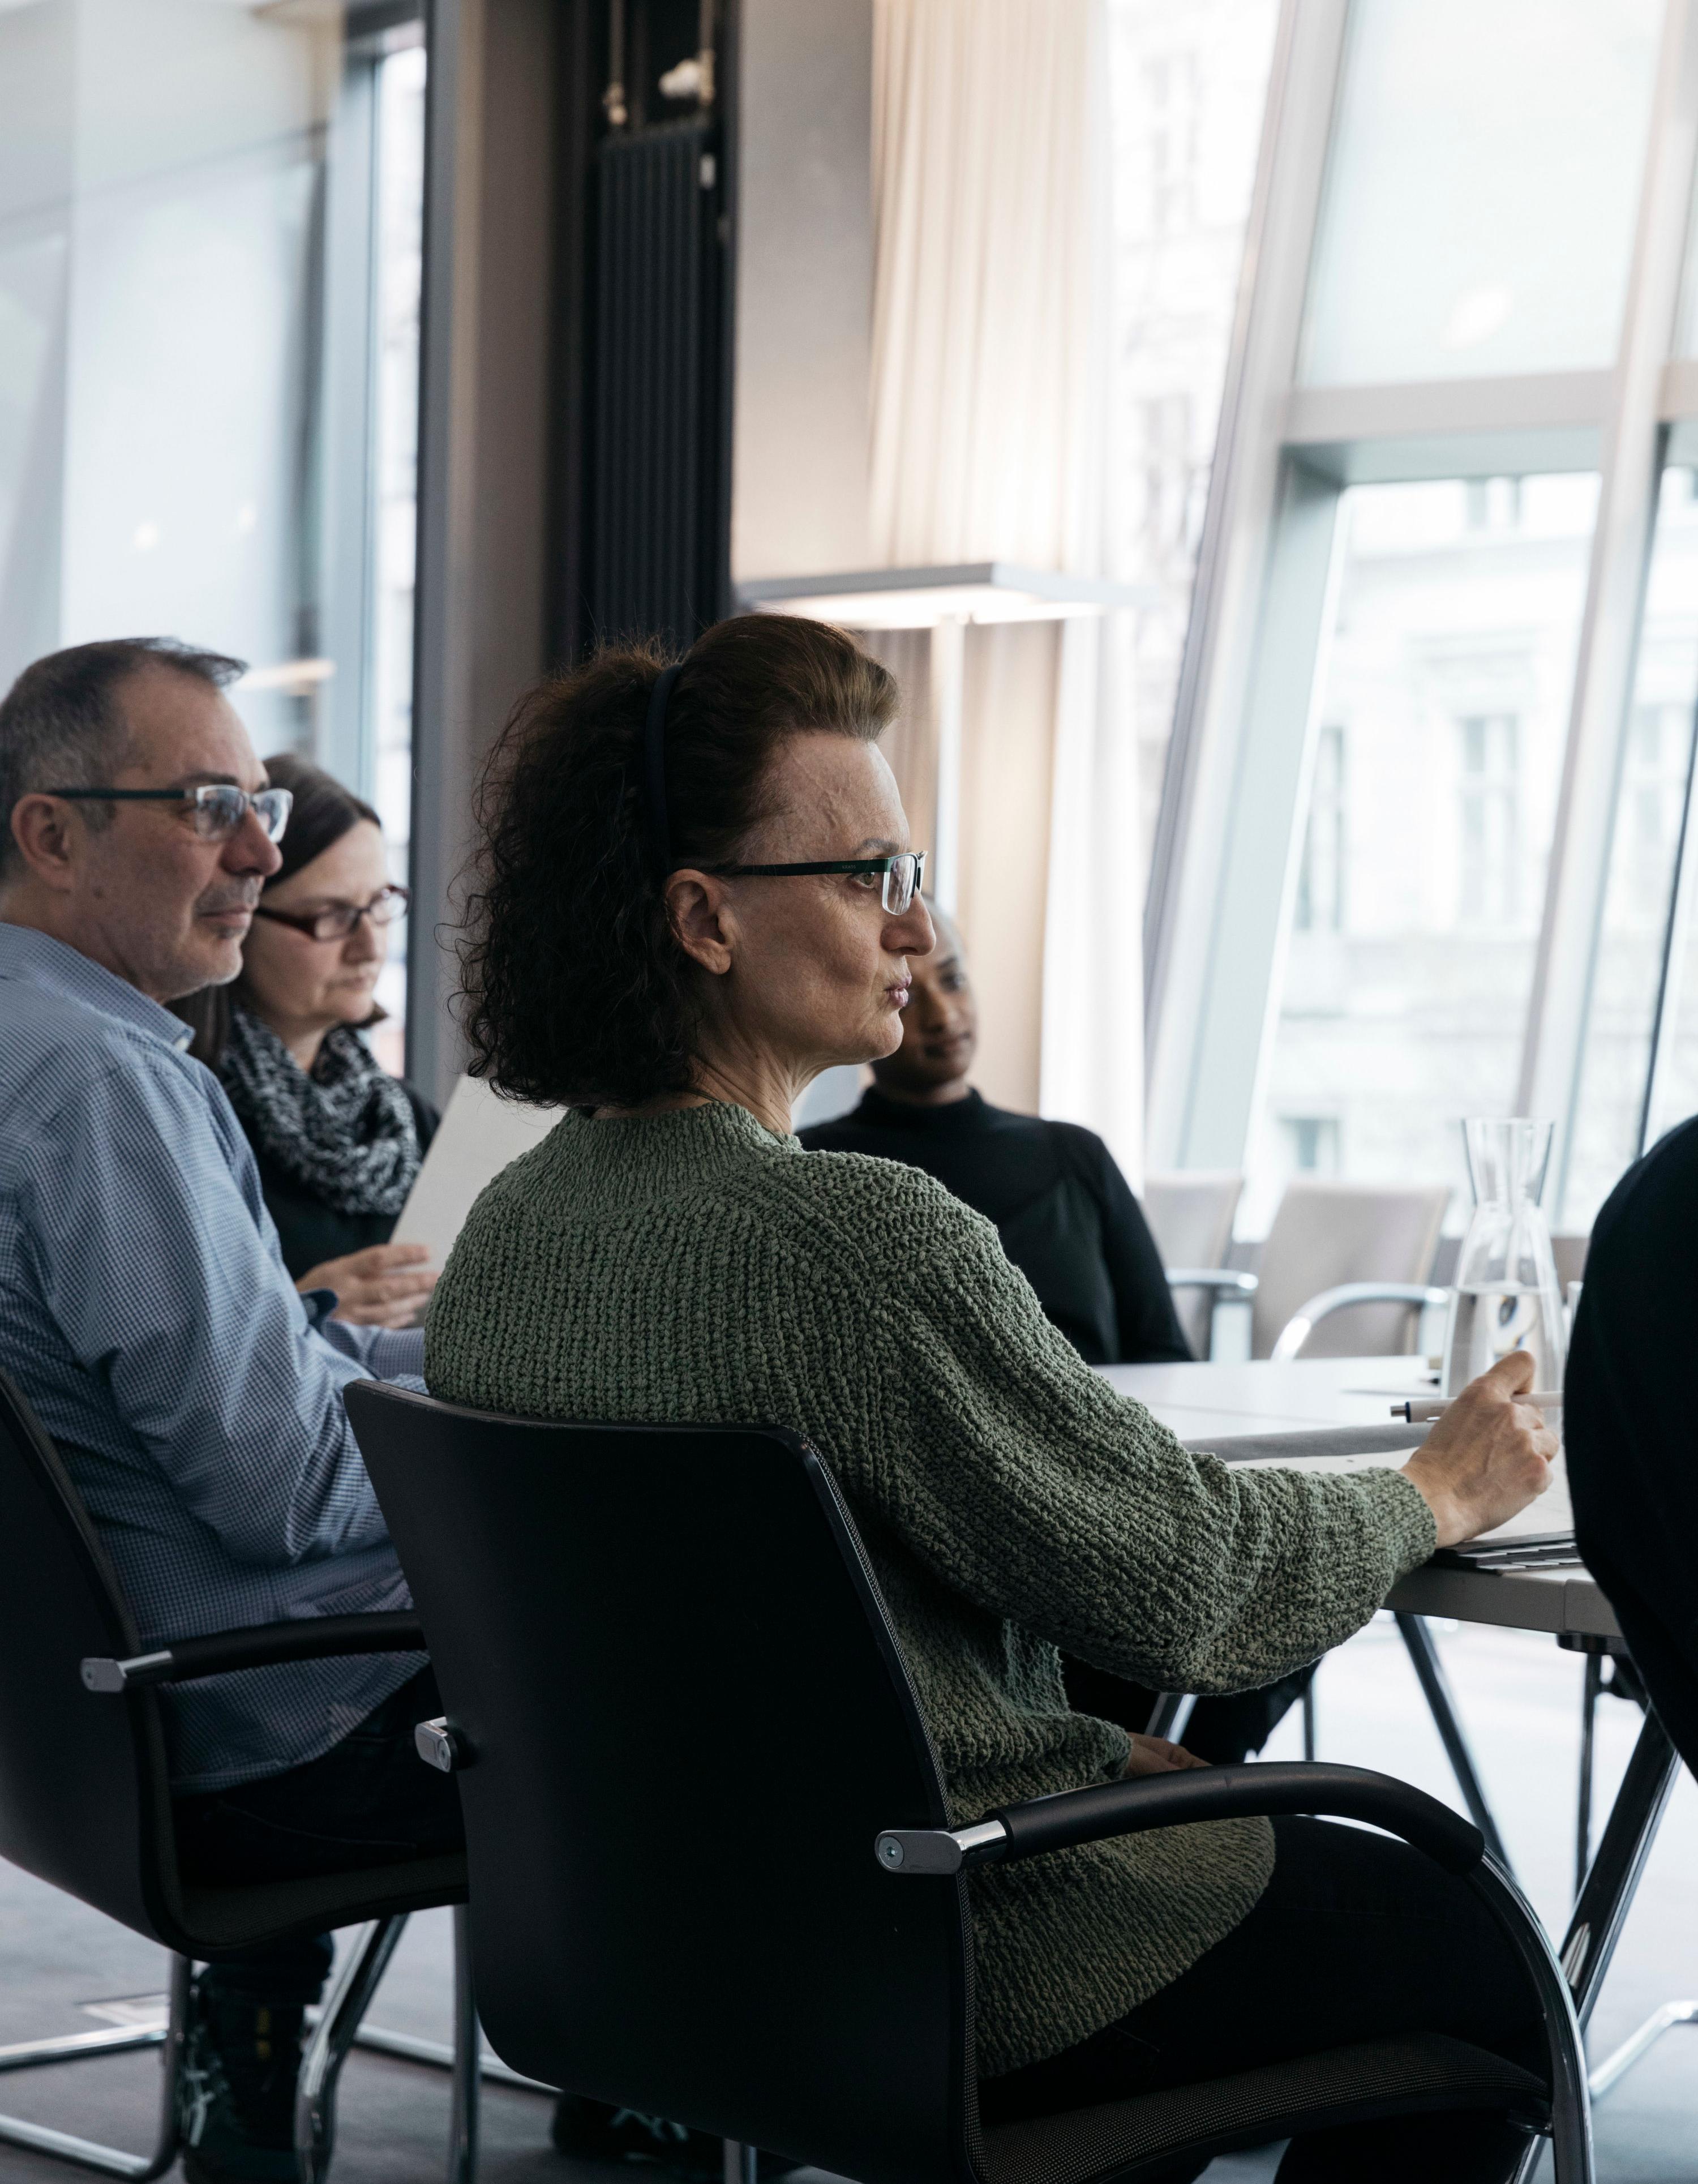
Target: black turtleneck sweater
{"points": [[1064, 1210]]}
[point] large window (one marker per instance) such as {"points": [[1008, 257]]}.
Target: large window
{"points": [[1640, 1072], [1188, 85], [1485, 169], [208, 305], [1427, 846], [1448, 666]]}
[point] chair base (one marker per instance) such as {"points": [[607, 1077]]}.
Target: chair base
{"points": [[337, 2029], [1637, 2045], [84, 2153]]}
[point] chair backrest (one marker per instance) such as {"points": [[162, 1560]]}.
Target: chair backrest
{"points": [[1325, 1234], [1569, 1251], [1190, 1215], [687, 1720], [83, 1797]]}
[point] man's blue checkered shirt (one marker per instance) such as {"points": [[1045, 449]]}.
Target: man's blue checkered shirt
{"points": [[146, 1314]]}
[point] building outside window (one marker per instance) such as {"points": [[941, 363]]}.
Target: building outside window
{"points": [[1489, 797], [1312, 1143], [1461, 300], [1320, 906], [1409, 961]]}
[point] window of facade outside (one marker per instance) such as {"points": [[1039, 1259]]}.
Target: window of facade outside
{"points": [[1187, 89], [209, 260]]}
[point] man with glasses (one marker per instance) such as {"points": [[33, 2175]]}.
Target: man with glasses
{"points": [[146, 1314]]}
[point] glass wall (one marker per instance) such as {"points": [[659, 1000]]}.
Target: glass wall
{"points": [[208, 302], [1441, 712], [1642, 964], [1187, 88], [1482, 187], [1434, 850]]}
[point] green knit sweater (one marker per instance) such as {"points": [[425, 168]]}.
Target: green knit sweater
{"points": [[693, 1266]]}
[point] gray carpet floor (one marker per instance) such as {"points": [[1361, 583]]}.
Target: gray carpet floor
{"points": [[1519, 1696]]}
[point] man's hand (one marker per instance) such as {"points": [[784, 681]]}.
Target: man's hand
{"points": [[385, 1285], [1154, 1755], [1488, 1456]]}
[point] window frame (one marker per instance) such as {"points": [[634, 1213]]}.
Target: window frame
{"points": [[1230, 836]]}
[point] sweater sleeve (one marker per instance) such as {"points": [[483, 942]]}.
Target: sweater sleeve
{"points": [[1029, 1486]]}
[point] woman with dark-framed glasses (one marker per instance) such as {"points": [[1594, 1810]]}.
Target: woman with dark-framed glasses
{"points": [[338, 1140], [695, 891]]}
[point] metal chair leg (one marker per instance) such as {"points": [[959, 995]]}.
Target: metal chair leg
{"points": [[1589, 1725], [1614, 1874], [347, 2002], [467, 2049], [1571, 2111], [1309, 1716], [1608, 1882], [1424, 1655], [1637, 2045], [75, 2047], [742, 2162]]}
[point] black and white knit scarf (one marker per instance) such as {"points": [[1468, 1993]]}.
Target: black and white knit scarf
{"points": [[346, 1133]]}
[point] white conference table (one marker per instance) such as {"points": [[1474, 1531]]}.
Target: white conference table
{"points": [[1262, 1397], [1227, 1400]]}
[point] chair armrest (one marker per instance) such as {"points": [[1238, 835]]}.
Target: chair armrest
{"points": [[1303, 1323], [261, 1646], [1202, 1793], [1225, 1281]]}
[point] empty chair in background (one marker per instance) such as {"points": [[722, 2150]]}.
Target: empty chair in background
{"points": [[1190, 1214], [1330, 1236]]}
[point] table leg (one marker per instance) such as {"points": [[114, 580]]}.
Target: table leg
{"points": [[1614, 1875], [1424, 1655], [1589, 1723]]}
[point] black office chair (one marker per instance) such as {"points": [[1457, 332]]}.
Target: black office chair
{"points": [[85, 1804], [712, 1872]]}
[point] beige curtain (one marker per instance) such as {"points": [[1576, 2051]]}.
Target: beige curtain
{"points": [[989, 326]]}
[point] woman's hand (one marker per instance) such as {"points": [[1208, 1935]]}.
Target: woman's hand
{"points": [[385, 1285], [1487, 1457], [1154, 1755]]}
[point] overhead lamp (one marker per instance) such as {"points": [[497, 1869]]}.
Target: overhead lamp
{"points": [[922, 599], [945, 601]]}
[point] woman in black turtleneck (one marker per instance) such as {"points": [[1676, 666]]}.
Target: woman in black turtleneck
{"points": [[1070, 1224], [1062, 1208]]}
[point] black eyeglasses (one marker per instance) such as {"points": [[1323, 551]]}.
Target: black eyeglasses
{"points": [[217, 808], [902, 875], [337, 920]]}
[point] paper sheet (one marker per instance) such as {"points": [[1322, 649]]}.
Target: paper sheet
{"points": [[479, 1135]]}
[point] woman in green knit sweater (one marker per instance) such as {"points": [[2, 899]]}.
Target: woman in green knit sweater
{"points": [[696, 892]]}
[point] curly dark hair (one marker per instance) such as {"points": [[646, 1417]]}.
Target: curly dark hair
{"points": [[574, 991]]}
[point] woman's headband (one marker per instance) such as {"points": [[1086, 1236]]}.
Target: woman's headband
{"points": [[654, 767]]}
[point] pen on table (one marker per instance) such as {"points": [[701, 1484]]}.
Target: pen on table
{"points": [[1422, 1413]]}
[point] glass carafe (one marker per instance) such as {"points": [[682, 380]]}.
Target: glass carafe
{"points": [[1506, 1295]]}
